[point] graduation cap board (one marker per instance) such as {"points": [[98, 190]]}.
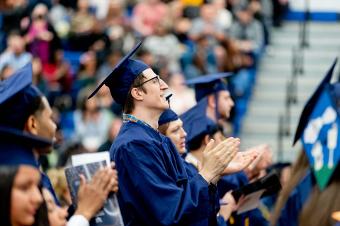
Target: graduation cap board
{"points": [[196, 123], [319, 131], [167, 116], [122, 76], [208, 84], [16, 94]]}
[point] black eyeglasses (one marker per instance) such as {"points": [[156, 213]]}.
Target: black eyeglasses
{"points": [[156, 78]]}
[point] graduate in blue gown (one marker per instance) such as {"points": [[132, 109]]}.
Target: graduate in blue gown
{"points": [[20, 104], [214, 99], [200, 129], [155, 188], [310, 184], [18, 101]]}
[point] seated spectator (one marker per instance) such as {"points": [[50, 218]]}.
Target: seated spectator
{"points": [[41, 38], [181, 30], [207, 25], [86, 75], [58, 73], [86, 33], [164, 44], [111, 60], [200, 61], [180, 92], [223, 17], [233, 58], [38, 78], [113, 132], [115, 23], [91, 123], [60, 19], [13, 13], [15, 55], [147, 15], [247, 32], [191, 8]]}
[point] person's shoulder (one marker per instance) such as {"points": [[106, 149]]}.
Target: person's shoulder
{"points": [[130, 134]]}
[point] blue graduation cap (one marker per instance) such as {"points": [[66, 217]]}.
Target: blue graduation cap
{"points": [[197, 124], [16, 96], [122, 76], [208, 84], [312, 102], [319, 129], [167, 116]]}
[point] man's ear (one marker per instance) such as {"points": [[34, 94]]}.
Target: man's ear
{"points": [[206, 140], [137, 94], [211, 101], [31, 125]]}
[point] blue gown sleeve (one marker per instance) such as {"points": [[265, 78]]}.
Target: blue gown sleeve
{"points": [[153, 194]]}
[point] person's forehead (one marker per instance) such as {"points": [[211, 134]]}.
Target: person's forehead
{"points": [[224, 93], [149, 73], [177, 122]]}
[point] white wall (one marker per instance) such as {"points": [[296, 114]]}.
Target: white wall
{"points": [[316, 5]]}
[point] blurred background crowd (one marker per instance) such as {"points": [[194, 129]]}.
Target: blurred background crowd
{"points": [[74, 44]]}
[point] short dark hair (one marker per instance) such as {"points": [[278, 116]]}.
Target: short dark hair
{"points": [[37, 105], [33, 107], [129, 103], [196, 143]]}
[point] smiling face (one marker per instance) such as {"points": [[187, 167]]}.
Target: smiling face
{"points": [[177, 135], [26, 197], [155, 91]]}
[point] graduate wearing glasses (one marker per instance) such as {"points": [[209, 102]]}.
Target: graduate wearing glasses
{"points": [[155, 188]]}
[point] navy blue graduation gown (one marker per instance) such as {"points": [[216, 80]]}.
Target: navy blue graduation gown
{"points": [[192, 170], [291, 211], [154, 186], [231, 182]]}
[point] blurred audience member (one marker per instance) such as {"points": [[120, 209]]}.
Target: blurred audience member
{"points": [[41, 38], [163, 44], [91, 123], [180, 92], [247, 31], [113, 132], [147, 15], [15, 56]]}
